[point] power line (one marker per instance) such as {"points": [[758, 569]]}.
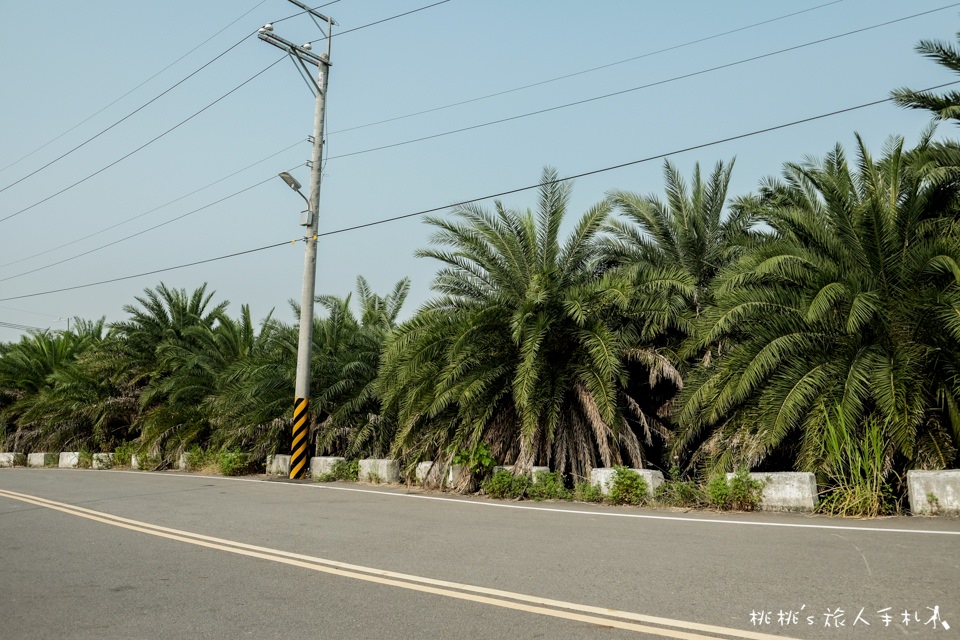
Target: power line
{"points": [[155, 209], [155, 271], [659, 156], [495, 195], [138, 233], [19, 327], [143, 231], [303, 12], [124, 118], [146, 144], [192, 116], [35, 313], [590, 70], [370, 24], [638, 88], [90, 117]]}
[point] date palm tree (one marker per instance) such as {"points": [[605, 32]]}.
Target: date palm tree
{"points": [[524, 349], [146, 358], [854, 305], [943, 106], [44, 394]]}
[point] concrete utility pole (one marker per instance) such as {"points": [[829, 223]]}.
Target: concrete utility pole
{"points": [[302, 55]]}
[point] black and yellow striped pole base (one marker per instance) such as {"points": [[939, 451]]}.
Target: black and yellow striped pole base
{"points": [[298, 451]]}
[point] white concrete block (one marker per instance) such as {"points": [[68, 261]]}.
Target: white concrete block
{"points": [[103, 460], [786, 490], [141, 463], [604, 477], [428, 471], [934, 492], [535, 470], [508, 468], [182, 462], [69, 460], [380, 470], [434, 474], [278, 465], [9, 459], [41, 459], [453, 473], [322, 465]]}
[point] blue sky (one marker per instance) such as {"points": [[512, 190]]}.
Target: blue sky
{"points": [[65, 61]]}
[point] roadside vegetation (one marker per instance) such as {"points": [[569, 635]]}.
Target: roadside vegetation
{"points": [[812, 325]]}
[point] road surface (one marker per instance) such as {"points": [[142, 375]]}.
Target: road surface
{"points": [[119, 554]]}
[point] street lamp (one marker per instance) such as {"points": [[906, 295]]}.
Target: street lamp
{"points": [[290, 180], [306, 218]]}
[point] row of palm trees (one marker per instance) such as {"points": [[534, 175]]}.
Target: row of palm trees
{"points": [[695, 331]]}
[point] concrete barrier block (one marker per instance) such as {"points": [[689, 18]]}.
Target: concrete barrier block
{"points": [[506, 467], [453, 473], [103, 460], [278, 465], [934, 492], [323, 465], [786, 490], [41, 459], [434, 474], [603, 476], [69, 460], [535, 470], [379, 470], [182, 462], [12, 459], [428, 473]]}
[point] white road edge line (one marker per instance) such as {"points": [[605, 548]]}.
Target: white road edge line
{"points": [[610, 514]]}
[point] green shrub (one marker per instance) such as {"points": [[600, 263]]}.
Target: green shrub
{"points": [[933, 502], [741, 493], [348, 470], [85, 460], [587, 492], [480, 461], [548, 486], [680, 493], [504, 485], [197, 458], [745, 492], [233, 463], [123, 453], [146, 461], [628, 487]]}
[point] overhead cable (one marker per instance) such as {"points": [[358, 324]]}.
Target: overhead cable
{"points": [[590, 70], [148, 143], [638, 88], [153, 210], [90, 117], [492, 195], [370, 24]]}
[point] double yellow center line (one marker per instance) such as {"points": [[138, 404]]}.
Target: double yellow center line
{"points": [[629, 621]]}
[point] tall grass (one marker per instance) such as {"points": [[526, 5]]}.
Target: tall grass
{"points": [[856, 466]]}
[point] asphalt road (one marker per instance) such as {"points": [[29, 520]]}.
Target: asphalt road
{"points": [[114, 554]]}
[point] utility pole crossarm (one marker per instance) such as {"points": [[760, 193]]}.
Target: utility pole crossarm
{"points": [[302, 52]]}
